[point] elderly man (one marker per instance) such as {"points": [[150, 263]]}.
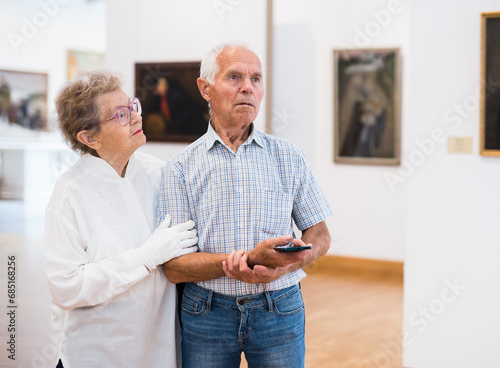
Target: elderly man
{"points": [[244, 189]]}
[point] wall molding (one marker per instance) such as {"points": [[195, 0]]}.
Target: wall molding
{"points": [[331, 263]]}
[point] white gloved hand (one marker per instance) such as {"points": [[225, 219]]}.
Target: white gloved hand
{"points": [[166, 243]]}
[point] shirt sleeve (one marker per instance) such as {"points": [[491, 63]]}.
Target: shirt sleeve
{"points": [[310, 206], [74, 281], [173, 199]]}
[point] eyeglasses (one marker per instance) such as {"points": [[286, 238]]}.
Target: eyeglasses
{"points": [[123, 113]]}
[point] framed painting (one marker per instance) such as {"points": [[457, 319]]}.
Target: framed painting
{"points": [[172, 107], [489, 137], [367, 106], [82, 61], [23, 99]]}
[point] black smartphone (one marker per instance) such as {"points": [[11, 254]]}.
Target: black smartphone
{"points": [[290, 248]]}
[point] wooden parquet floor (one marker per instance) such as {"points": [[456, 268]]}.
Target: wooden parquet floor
{"points": [[353, 319]]}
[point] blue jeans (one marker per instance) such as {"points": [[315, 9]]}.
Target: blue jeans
{"points": [[269, 327]]}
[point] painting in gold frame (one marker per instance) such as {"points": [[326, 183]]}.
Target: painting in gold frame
{"points": [[367, 106], [172, 107], [489, 144]]}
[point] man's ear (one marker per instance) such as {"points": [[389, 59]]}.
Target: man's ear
{"points": [[204, 87], [88, 139]]}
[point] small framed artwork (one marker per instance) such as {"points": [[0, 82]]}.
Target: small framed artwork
{"points": [[489, 137], [83, 61], [367, 106], [23, 99], [172, 107]]}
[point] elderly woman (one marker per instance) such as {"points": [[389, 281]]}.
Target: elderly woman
{"points": [[112, 305]]}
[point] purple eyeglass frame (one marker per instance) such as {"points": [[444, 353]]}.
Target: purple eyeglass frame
{"points": [[116, 116]]}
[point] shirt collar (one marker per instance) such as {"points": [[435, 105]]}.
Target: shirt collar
{"points": [[101, 167], [213, 137]]}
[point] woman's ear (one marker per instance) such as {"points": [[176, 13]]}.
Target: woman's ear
{"points": [[204, 87], [88, 139]]}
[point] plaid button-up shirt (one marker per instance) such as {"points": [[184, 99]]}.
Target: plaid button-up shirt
{"points": [[238, 199]]}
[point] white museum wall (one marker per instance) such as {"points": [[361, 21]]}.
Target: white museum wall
{"points": [[176, 31], [451, 267], [36, 36], [369, 219]]}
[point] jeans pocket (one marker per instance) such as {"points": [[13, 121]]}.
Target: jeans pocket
{"points": [[289, 305], [193, 305]]}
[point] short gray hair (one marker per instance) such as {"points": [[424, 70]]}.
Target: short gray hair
{"points": [[76, 105], [210, 66]]}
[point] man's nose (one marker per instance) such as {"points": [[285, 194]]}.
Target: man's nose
{"points": [[247, 86]]}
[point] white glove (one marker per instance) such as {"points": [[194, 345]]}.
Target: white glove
{"points": [[166, 243]]}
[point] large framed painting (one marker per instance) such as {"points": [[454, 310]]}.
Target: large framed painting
{"points": [[490, 83], [173, 109], [23, 99], [367, 106]]}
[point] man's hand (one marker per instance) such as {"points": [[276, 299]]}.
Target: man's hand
{"points": [[236, 267], [265, 255]]}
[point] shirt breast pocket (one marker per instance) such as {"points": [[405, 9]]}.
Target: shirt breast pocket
{"points": [[274, 213]]}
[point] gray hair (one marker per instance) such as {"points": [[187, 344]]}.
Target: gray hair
{"points": [[76, 105], [210, 66]]}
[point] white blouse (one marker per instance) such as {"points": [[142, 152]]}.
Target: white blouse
{"points": [[108, 310]]}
